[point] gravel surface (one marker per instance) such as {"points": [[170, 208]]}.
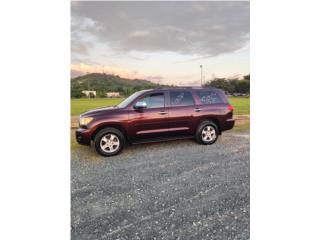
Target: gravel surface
{"points": [[173, 190]]}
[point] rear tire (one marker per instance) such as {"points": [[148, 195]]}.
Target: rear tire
{"points": [[109, 142], [207, 133]]}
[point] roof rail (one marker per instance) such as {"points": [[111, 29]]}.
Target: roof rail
{"points": [[181, 87], [184, 87]]}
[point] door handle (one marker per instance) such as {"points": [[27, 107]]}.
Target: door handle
{"points": [[197, 109], [163, 113]]}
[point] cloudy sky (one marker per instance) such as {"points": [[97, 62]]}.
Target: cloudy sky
{"points": [[165, 42]]}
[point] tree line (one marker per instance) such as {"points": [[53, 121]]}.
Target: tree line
{"points": [[102, 83], [231, 86]]}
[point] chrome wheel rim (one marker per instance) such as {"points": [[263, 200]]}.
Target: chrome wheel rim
{"points": [[110, 143], [208, 134]]}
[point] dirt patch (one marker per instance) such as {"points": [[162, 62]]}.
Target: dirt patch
{"points": [[74, 121]]}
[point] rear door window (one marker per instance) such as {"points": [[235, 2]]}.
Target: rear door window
{"points": [[181, 98], [209, 97]]}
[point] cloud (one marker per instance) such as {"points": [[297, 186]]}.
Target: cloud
{"points": [[82, 68], [84, 32], [189, 28], [79, 47], [138, 34]]}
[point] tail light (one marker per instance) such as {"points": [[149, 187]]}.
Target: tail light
{"points": [[230, 107]]}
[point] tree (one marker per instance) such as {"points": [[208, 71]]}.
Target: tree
{"points": [[120, 89], [137, 88], [76, 93], [231, 85], [243, 86], [101, 94], [234, 85], [221, 83]]}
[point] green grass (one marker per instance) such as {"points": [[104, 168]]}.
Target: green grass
{"points": [[241, 105], [78, 106]]}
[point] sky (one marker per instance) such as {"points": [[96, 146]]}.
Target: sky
{"points": [[164, 42]]}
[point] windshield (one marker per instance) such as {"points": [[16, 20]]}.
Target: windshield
{"points": [[129, 99]]}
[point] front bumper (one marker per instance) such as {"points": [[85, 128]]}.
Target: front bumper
{"points": [[83, 136]]}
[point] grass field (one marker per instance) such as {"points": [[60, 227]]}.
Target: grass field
{"points": [[241, 105], [78, 106]]}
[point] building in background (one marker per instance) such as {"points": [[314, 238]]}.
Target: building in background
{"points": [[112, 94], [89, 93]]}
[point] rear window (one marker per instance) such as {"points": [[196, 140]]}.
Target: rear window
{"points": [[209, 97], [181, 98]]}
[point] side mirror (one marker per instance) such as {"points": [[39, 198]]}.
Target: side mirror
{"points": [[140, 105]]}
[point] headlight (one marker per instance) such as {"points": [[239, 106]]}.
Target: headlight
{"points": [[85, 121]]}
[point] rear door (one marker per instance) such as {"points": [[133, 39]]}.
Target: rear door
{"points": [[214, 104], [213, 101], [181, 109]]}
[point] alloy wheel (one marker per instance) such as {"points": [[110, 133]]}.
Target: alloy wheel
{"points": [[110, 143], [208, 134]]}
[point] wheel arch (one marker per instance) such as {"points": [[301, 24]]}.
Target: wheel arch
{"points": [[213, 119], [117, 126]]}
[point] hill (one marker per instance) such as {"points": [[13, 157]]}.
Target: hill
{"points": [[102, 83]]}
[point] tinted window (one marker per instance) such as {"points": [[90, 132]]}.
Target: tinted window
{"points": [[155, 100], [209, 97], [128, 100], [181, 98]]}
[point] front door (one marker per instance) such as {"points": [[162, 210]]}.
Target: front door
{"points": [[149, 122]]}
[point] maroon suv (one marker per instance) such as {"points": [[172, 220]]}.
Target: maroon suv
{"points": [[157, 115]]}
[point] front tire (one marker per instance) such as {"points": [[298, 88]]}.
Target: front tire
{"points": [[109, 142], [207, 133]]}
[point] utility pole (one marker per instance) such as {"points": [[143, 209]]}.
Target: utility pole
{"points": [[88, 86], [201, 75]]}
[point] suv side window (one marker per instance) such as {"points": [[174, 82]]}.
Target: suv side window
{"points": [[209, 97], [154, 100], [181, 98]]}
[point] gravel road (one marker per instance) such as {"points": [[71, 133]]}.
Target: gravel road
{"points": [[173, 190]]}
